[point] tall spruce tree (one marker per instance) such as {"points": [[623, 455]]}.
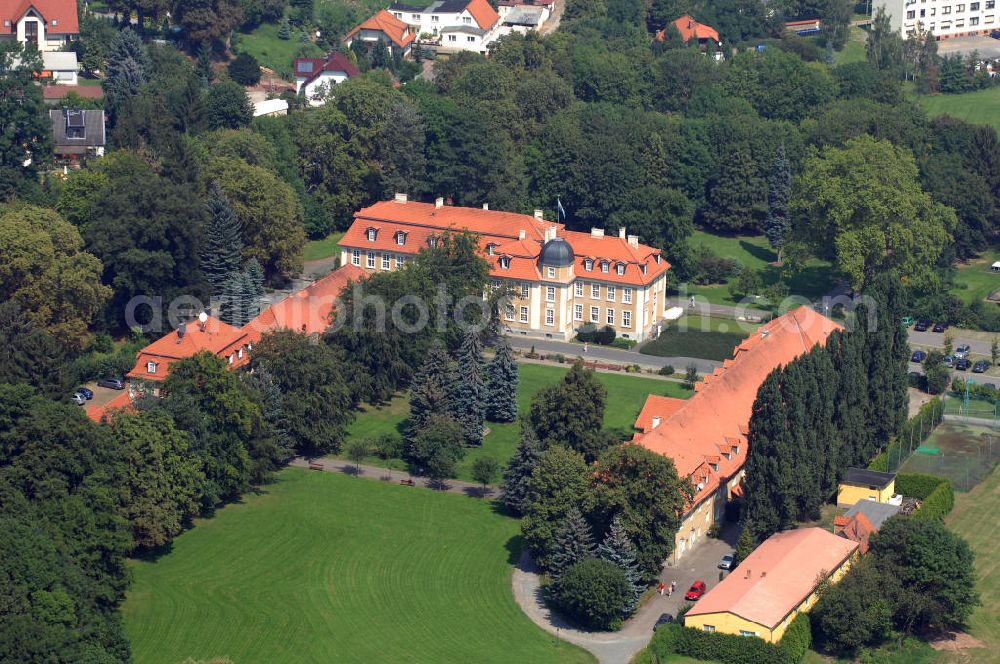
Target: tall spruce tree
{"points": [[203, 65], [127, 69], [223, 243], [273, 409], [468, 389], [255, 277], [501, 396], [618, 549], [574, 542], [238, 301], [770, 481], [515, 492], [429, 389], [777, 225]]}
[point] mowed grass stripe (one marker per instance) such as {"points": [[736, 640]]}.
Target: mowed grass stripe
{"points": [[322, 567]]}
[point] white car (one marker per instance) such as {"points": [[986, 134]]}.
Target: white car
{"points": [[962, 352], [726, 562]]}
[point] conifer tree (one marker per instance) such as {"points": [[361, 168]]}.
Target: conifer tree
{"points": [[468, 389], [771, 494], [127, 68], [255, 276], [618, 549], [501, 397], [203, 66], [273, 409], [220, 253], [745, 545], [285, 29], [777, 225], [237, 300], [575, 542], [515, 492], [429, 389]]}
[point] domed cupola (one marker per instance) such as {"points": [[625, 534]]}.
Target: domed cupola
{"points": [[557, 253]]}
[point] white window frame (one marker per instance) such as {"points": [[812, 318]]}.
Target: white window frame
{"points": [[551, 272], [550, 316], [620, 268], [611, 317], [370, 260], [595, 291], [626, 318], [371, 234], [611, 293], [400, 261], [355, 257], [578, 288], [550, 293], [385, 261], [401, 238], [509, 312], [627, 295], [525, 291], [524, 314], [605, 266], [151, 367], [577, 312], [708, 628], [588, 265], [504, 263], [595, 314]]}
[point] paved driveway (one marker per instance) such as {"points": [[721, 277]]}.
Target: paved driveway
{"points": [[988, 47], [610, 355]]}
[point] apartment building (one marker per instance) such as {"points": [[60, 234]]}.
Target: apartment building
{"points": [[943, 18], [561, 280]]}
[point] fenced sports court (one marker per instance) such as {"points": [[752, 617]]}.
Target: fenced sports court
{"points": [[963, 448]]}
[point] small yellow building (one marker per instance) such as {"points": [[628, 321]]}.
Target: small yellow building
{"points": [[862, 484], [774, 584]]}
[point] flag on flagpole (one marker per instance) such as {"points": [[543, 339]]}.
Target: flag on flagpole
{"points": [[560, 209]]}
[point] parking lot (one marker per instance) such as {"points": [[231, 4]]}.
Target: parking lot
{"points": [[979, 343], [102, 395], [988, 47]]}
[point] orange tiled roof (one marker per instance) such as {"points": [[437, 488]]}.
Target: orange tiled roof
{"points": [[657, 406], [307, 311], [719, 412], [777, 576], [389, 25], [688, 28], [214, 336], [857, 528], [121, 402], [483, 13], [60, 15]]}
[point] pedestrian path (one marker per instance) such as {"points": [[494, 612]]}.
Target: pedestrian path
{"points": [[366, 471]]}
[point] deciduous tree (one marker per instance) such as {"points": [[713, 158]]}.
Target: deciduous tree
{"points": [[571, 412], [25, 129]]}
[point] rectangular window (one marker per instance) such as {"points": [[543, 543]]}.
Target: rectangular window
{"points": [[551, 272], [960, 23], [973, 6], [452, 38], [595, 291], [959, 9], [744, 632], [151, 367], [370, 262], [595, 314], [577, 312], [933, 11], [466, 19], [708, 628], [611, 316], [974, 20], [911, 14], [990, 18], [946, 10], [990, 4], [524, 314], [525, 291], [400, 261], [627, 295], [626, 319], [578, 288], [385, 261], [401, 239], [470, 39], [509, 312], [611, 293], [434, 19], [355, 257], [415, 17], [550, 293], [550, 316]]}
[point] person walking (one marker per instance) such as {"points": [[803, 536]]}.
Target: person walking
{"points": [[661, 588], [673, 586]]}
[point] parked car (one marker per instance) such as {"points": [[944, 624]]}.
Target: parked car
{"points": [[995, 34], [922, 325], [962, 365], [962, 352], [87, 393], [696, 590], [726, 562], [980, 367], [918, 356], [664, 619], [940, 326], [112, 382], [78, 399], [948, 361]]}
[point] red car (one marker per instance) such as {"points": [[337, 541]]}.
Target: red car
{"points": [[697, 590]]}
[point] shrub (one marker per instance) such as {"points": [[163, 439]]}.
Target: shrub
{"points": [[626, 344], [797, 638], [938, 504], [389, 446], [667, 370], [606, 335], [587, 333], [881, 464], [917, 485], [245, 69], [592, 592]]}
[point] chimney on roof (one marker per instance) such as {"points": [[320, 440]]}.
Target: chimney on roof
{"points": [[550, 233], [539, 214], [633, 241], [621, 233], [181, 329], [656, 421], [439, 201], [596, 232], [400, 198], [748, 574], [486, 206], [520, 234]]}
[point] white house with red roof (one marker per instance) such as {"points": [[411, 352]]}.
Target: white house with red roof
{"points": [[457, 25], [48, 24], [561, 280], [315, 77], [384, 27]]}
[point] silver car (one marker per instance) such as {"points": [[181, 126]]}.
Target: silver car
{"points": [[726, 562], [962, 352]]}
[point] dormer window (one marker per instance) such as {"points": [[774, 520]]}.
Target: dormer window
{"points": [[239, 353], [588, 265], [372, 234], [231, 358], [504, 263], [605, 266], [620, 268], [432, 242], [151, 367], [54, 22], [715, 467], [643, 268], [400, 238], [490, 249]]}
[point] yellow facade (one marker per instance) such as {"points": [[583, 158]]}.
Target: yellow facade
{"points": [[695, 524], [730, 623], [849, 494]]}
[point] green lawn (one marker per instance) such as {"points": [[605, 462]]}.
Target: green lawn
{"points": [[626, 395], [699, 336], [754, 252], [981, 107], [323, 567], [854, 49], [974, 280], [274, 53], [974, 518], [325, 248]]}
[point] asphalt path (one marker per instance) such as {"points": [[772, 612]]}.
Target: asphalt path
{"points": [[611, 355]]}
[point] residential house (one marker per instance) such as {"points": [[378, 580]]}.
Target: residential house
{"points": [[48, 24], [775, 583], [561, 280], [706, 36], [706, 436], [270, 108], [385, 27], [314, 77], [77, 133], [863, 484], [459, 25], [58, 67], [863, 520], [524, 15]]}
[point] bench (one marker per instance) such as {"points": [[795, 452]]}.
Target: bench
{"points": [[407, 482], [315, 465]]}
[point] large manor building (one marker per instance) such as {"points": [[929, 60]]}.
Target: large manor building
{"points": [[561, 280]]}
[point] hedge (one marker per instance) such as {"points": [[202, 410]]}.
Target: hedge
{"points": [[936, 493], [674, 639]]}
